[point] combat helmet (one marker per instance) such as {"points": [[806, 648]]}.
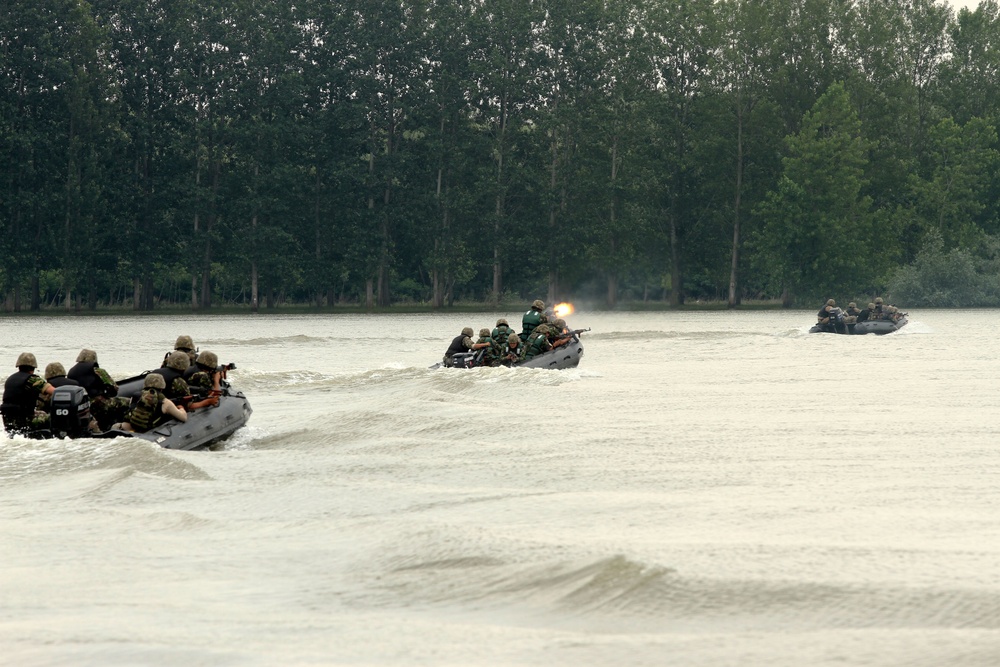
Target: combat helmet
{"points": [[155, 381], [513, 339], [184, 343], [871, 306], [560, 323], [831, 302], [26, 359], [484, 332], [467, 331], [86, 356], [852, 305], [538, 304], [878, 300], [178, 360], [502, 321], [54, 370], [208, 360]]}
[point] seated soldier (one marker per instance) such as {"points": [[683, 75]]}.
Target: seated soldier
{"points": [[20, 397], [106, 405], [538, 342], [152, 408], [491, 351], [511, 352], [177, 364], [501, 332]]}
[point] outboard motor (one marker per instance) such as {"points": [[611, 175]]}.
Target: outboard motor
{"points": [[462, 360], [70, 412]]}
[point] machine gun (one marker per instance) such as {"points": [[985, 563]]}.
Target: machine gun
{"points": [[572, 333]]}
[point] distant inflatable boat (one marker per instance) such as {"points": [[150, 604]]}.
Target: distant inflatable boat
{"points": [[841, 324], [558, 358]]}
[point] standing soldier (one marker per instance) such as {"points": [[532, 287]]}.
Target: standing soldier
{"points": [[532, 318]]}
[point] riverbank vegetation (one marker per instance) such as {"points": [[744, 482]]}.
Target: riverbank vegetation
{"points": [[255, 153]]}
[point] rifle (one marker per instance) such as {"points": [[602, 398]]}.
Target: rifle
{"points": [[573, 333]]}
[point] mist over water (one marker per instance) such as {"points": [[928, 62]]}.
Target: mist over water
{"points": [[707, 488]]}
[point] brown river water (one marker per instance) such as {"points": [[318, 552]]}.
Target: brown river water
{"points": [[710, 488]]}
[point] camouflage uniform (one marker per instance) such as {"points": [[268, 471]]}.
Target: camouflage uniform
{"points": [[490, 353], [538, 342], [202, 381], [20, 396], [512, 350]]}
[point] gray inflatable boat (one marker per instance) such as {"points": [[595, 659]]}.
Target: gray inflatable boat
{"points": [[558, 358]]}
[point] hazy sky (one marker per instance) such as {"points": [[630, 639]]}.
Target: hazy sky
{"points": [[958, 4]]}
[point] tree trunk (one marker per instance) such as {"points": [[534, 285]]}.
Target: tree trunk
{"points": [[369, 293], [734, 295]]}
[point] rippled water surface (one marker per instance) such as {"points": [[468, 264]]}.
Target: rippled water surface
{"points": [[705, 489]]}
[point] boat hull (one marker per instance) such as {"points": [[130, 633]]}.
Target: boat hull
{"points": [[558, 358], [877, 327]]}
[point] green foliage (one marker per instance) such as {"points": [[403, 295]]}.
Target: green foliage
{"points": [[955, 278], [310, 151]]}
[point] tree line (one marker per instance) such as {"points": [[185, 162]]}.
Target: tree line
{"points": [[267, 151]]}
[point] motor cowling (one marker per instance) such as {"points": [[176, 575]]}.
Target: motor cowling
{"points": [[69, 415]]}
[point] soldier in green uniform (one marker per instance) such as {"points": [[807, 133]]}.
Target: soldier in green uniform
{"points": [[532, 318], [501, 333], [152, 408], [538, 342], [491, 351], [512, 350]]}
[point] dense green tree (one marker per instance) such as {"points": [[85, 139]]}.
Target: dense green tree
{"points": [[819, 231]]}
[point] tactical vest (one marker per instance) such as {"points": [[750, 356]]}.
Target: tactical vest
{"points": [[531, 319], [63, 381], [535, 345], [148, 411], [457, 346], [18, 399], [87, 378], [169, 375], [501, 334]]}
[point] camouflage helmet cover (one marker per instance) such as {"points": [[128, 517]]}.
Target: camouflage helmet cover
{"points": [[484, 332], [208, 360], [538, 304], [86, 356], [178, 360], [542, 328], [852, 305], [502, 321], [184, 343], [467, 331], [871, 306], [154, 381], [26, 359], [55, 369], [561, 323], [513, 339], [878, 300], [831, 302]]}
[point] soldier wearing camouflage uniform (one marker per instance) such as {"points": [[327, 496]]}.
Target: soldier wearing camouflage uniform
{"points": [[538, 342], [492, 351], [20, 396], [152, 408], [512, 350], [177, 364], [186, 345], [533, 318], [106, 405], [501, 333], [207, 376]]}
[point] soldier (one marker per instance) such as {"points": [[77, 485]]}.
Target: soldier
{"points": [[501, 332], [879, 309], [512, 350], [106, 405], [184, 344], [55, 375], [852, 309], [206, 379], [175, 387], [491, 351], [460, 344], [537, 343], [20, 396], [868, 314], [558, 333], [152, 408], [532, 318]]}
